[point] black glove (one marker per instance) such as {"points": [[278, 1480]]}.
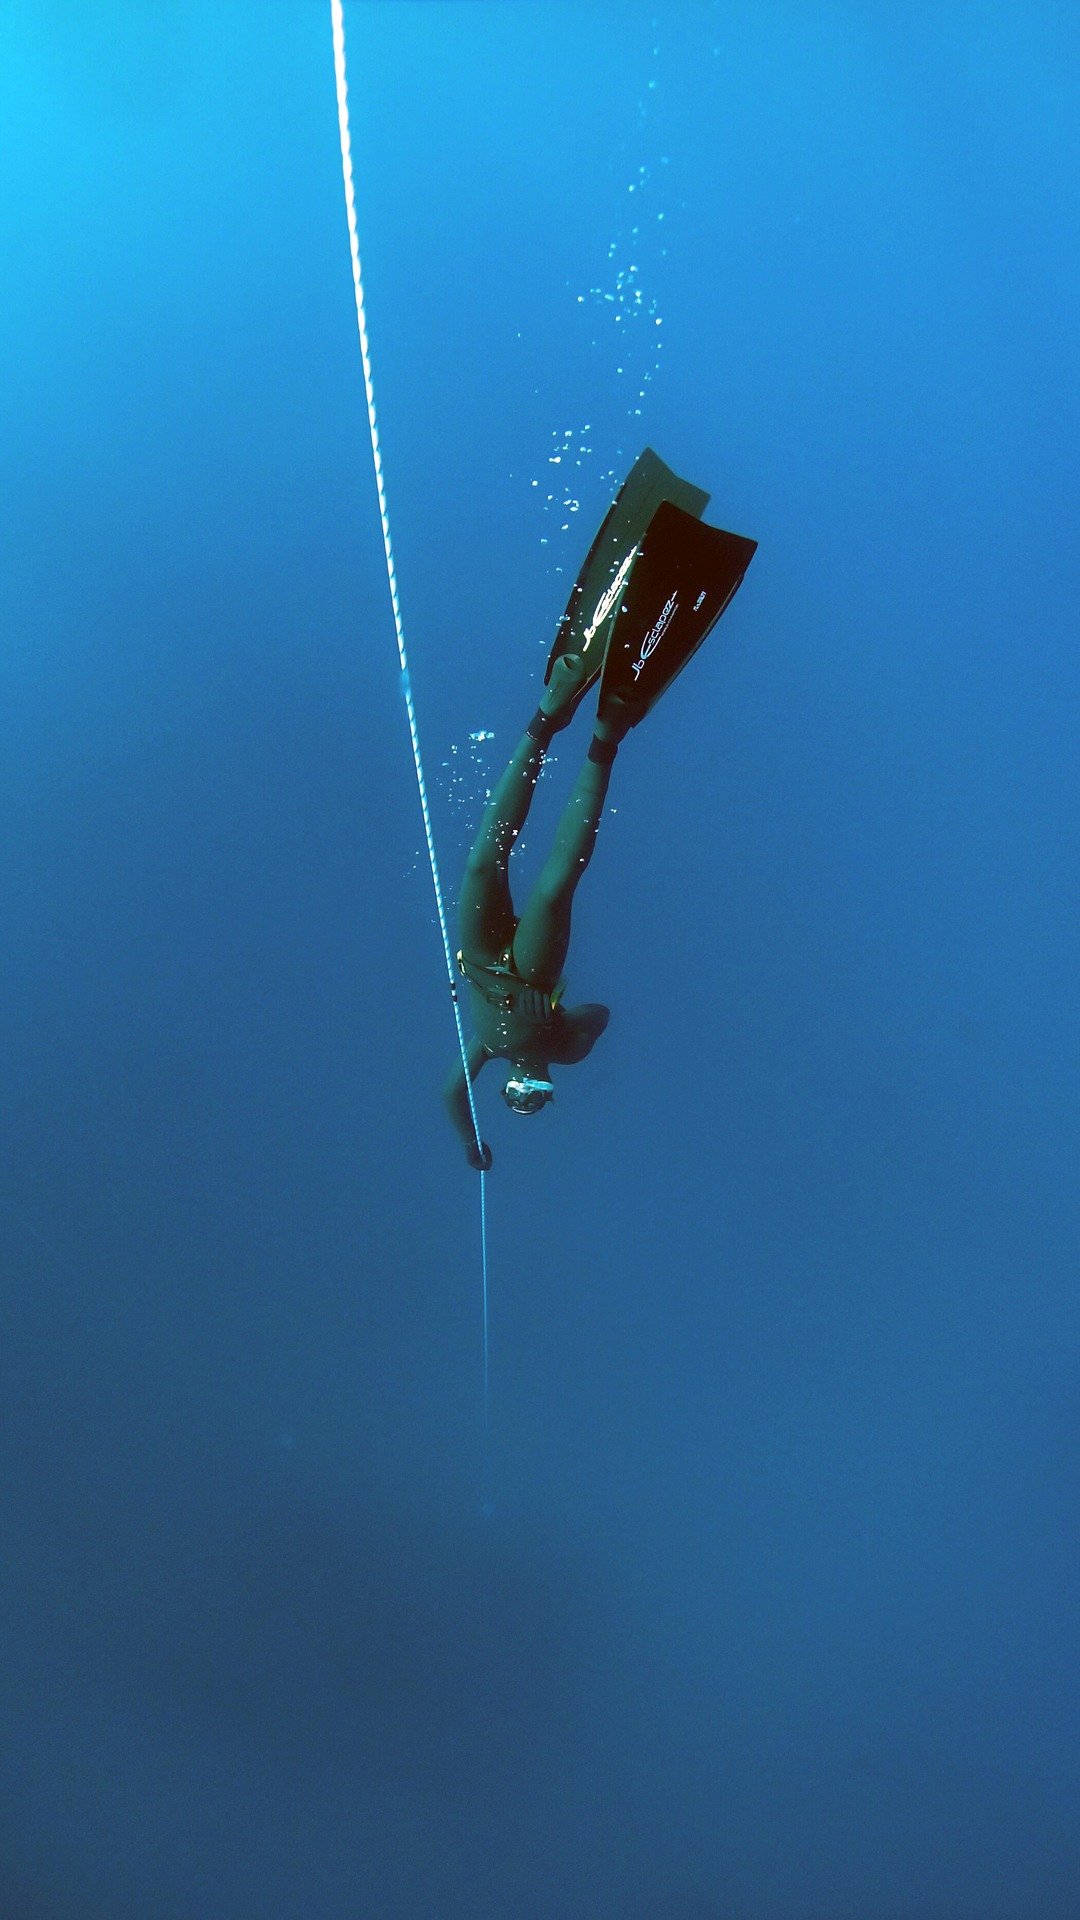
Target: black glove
{"points": [[479, 1158]]}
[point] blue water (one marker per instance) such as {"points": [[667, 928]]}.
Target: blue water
{"points": [[775, 1616]]}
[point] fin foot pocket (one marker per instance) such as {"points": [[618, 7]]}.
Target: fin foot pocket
{"points": [[568, 681]]}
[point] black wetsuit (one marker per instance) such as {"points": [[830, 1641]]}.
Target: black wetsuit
{"points": [[535, 946]]}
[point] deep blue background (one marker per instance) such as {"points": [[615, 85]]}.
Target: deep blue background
{"points": [[776, 1617]]}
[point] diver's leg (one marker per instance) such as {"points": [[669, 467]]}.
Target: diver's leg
{"points": [[485, 909], [542, 940], [543, 935]]}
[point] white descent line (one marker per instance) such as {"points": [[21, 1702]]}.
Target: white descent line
{"points": [[391, 575]]}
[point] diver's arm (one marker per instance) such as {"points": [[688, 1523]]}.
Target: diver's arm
{"points": [[455, 1092], [582, 1027]]}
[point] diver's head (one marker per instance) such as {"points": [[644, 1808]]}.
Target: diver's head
{"points": [[527, 1091]]}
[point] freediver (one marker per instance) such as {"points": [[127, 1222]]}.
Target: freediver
{"points": [[655, 581]]}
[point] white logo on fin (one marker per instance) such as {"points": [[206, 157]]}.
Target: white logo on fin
{"points": [[655, 634], [608, 598]]}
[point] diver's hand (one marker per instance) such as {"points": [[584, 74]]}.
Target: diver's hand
{"points": [[535, 1005], [479, 1158]]}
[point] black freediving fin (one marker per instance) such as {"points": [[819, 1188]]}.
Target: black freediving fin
{"points": [[684, 576], [586, 625]]}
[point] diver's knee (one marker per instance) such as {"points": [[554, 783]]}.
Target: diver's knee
{"points": [[482, 864], [553, 892]]}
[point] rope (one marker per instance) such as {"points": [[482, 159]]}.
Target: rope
{"points": [[341, 82]]}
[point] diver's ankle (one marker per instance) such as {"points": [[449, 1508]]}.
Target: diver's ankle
{"points": [[541, 728]]}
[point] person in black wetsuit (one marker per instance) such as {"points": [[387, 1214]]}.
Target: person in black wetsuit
{"points": [[655, 581], [514, 966]]}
